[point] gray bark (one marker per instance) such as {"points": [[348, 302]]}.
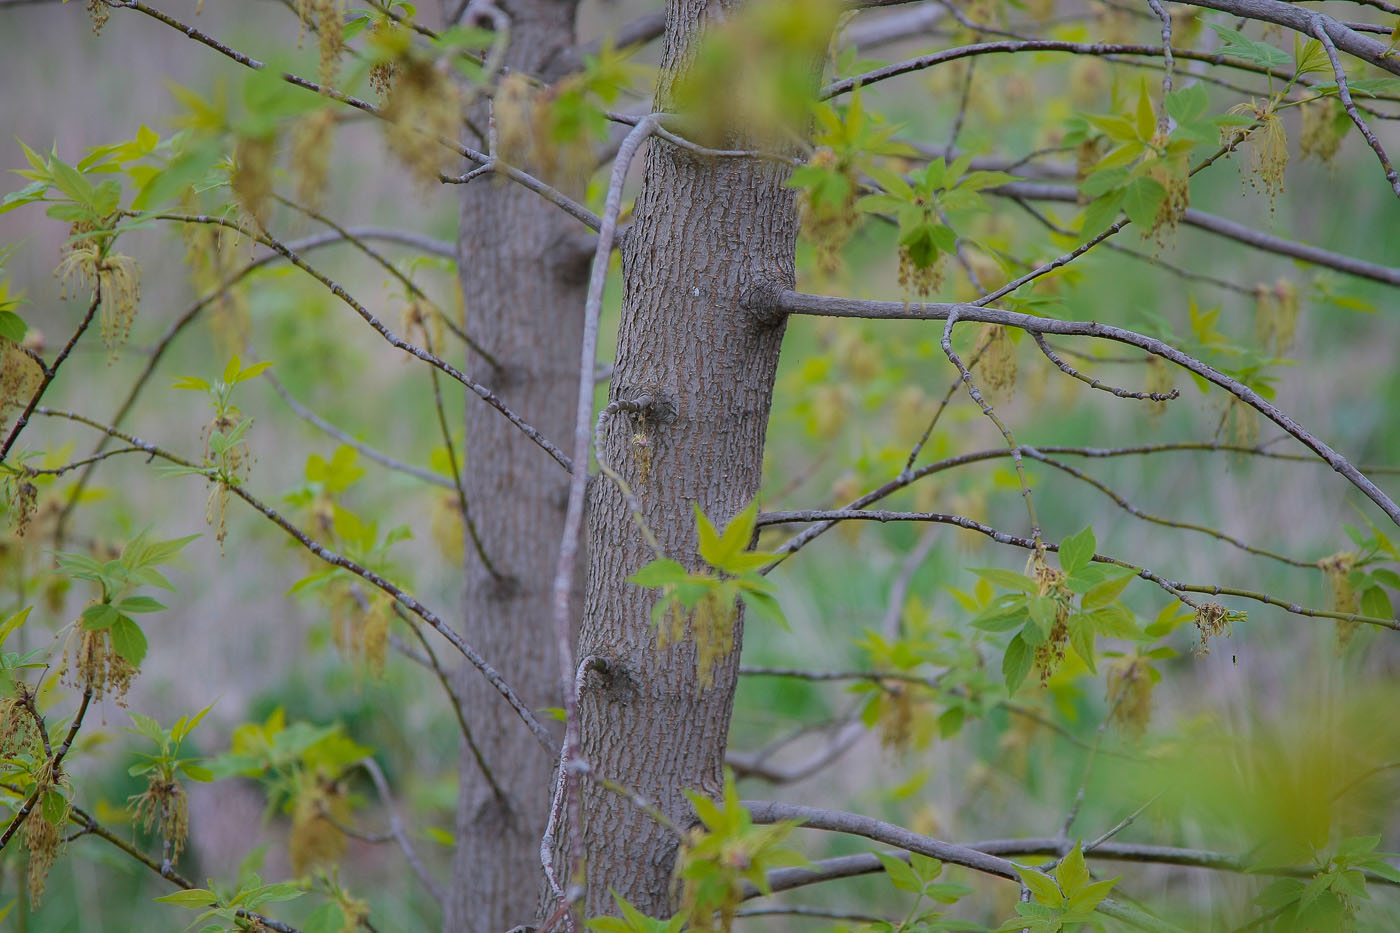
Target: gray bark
{"points": [[521, 271], [707, 232]]}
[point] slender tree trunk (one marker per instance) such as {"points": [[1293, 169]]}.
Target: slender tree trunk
{"points": [[707, 232], [523, 276]]}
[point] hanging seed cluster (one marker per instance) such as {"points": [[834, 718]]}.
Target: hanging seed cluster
{"points": [[316, 840], [93, 664], [996, 370], [1212, 620], [118, 279], [1050, 581], [1276, 316], [163, 807], [1324, 124], [1129, 695], [1268, 146], [1341, 595]]}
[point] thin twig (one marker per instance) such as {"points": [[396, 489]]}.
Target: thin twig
{"points": [[381, 786], [430, 660], [798, 303], [176, 327], [389, 336], [987, 410], [53, 767], [1163, 119], [570, 760], [1319, 29], [337, 560], [1256, 239], [1096, 383], [1179, 590], [549, 193], [49, 373], [349, 440]]}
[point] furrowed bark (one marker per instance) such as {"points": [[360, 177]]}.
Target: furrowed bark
{"points": [[523, 278], [706, 232]]}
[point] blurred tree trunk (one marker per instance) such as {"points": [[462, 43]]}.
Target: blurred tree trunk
{"points": [[706, 233], [523, 271]]}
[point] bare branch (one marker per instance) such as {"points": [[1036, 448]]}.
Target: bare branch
{"points": [[1179, 590], [1097, 49], [639, 31], [55, 760], [50, 372], [1036, 191], [570, 759], [393, 339], [429, 659], [407, 238], [791, 302], [553, 195], [889, 834], [1096, 383], [331, 557], [1011, 445], [1302, 20], [372, 453], [1319, 29], [381, 786]]}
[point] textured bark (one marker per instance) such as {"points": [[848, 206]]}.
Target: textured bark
{"points": [[522, 277], [706, 233]]}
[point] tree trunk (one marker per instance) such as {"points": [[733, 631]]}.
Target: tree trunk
{"points": [[707, 232], [523, 275]]}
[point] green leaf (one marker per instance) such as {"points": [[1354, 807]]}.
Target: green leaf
{"points": [[139, 604], [100, 616], [1145, 121], [26, 195], [1016, 663], [659, 572], [1113, 126], [129, 641], [709, 542], [189, 167], [12, 326], [1374, 602], [1006, 579], [1142, 198], [160, 552], [1089, 897], [1113, 622], [252, 372], [764, 606], [737, 535], [282, 891], [1260, 53], [1188, 103], [1044, 610], [1099, 214], [192, 899], [7, 628], [1077, 550], [71, 182], [900, 874], [1104, 593], [1042, 886], [184, 727], [1003, 614], [1081, 639], [54, 807], [1072, 873], [328, 918]]}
